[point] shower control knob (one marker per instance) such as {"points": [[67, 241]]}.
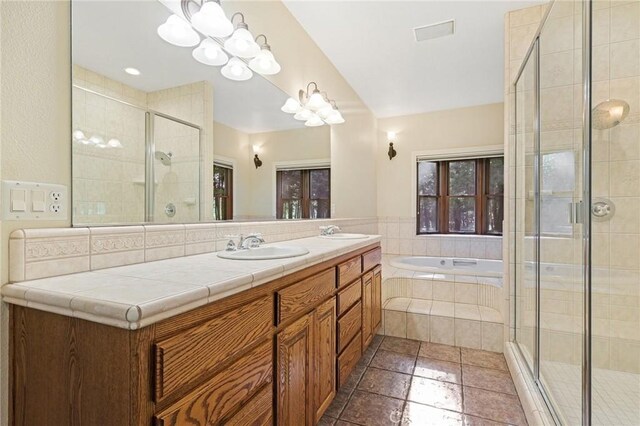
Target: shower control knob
{"points": [[602, 209]]}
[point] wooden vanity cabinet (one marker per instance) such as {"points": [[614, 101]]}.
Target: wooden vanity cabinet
{"points": [[274, 354]]}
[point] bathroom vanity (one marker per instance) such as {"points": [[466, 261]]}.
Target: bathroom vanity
{"points": [[275, 353]]}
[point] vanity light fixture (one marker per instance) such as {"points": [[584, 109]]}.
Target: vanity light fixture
{"points": [[210, 53], [178, 32], [391, 136], [236, 70], [257, 161], [264, 62], [211, 20], [132, 71], [314, 109], [241, 42]]}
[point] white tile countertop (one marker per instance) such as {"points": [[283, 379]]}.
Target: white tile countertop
{"points": [[135, 296]]}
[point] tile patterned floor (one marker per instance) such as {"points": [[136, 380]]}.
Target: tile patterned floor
{"points": [[405, 382]]}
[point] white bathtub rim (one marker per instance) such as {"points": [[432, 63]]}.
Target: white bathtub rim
{"points": [[396, 262]]}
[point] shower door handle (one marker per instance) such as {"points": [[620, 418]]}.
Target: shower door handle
{"points": [[575, 213]]}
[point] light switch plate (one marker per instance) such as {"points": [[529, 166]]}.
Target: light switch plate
{"points": [[36, 201]]}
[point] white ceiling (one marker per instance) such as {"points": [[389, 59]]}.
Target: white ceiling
{"points": [[109, 36], [372, 45]]}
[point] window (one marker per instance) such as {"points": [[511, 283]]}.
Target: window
{"points": [[303, 194], [222, 192], [461, 196], [557, 191]]}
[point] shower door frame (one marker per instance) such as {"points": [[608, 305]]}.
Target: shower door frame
{"points": [[533, 52], [149, 167]]}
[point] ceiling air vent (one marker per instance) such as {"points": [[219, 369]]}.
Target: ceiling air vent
{"points": [[429, 32]]}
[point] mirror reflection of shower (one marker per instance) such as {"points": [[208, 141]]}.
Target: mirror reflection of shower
{"points": [[165, 158]]}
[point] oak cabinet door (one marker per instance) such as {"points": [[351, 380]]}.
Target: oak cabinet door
{"points": [[295, 358], [377, 298], [324, 384], [367, 310]]}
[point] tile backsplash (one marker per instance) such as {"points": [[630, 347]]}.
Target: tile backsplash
{"points": [[43, 253], [399, 237]]}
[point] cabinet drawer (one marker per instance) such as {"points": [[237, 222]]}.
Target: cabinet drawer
{"points": [[302, 296], [348, 359], [349, 271], [224, 392], [349, 325], [349, 296], [371, 258], [258, 411], [186, 357]]}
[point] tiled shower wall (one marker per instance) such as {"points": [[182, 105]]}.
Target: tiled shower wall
{"points": [[399, 237]]}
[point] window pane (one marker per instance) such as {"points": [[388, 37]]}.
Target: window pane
{"points": [[291, 181], [319, 209], [462, 214], [462, 178], [554, 215], [320, 184], [427, 178], [495, 214], [428, 214], [496, 175], [558, 172], [291, 209]]}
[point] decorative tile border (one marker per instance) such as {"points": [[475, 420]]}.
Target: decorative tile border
{"points": [[43, 253]]}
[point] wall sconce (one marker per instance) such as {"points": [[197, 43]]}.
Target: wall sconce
{"points": [[257, 161], [391, 136]]}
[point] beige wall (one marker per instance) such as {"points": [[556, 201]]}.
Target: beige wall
{"points": [[36, 103], [452, 129]]}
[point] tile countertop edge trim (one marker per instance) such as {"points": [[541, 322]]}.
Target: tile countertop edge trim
{"points": [[133, 322]]}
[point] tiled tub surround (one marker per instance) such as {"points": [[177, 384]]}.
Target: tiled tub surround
{"points": [[399, 237], [461, 310], [137, 295]]}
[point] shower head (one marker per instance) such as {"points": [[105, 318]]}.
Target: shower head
{"points": [[609, 113], [165, 159]]}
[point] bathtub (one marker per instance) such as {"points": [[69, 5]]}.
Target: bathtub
{"points": [[449, 265]]}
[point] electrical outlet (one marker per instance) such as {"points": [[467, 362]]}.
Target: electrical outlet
{"points": [[33, 201]]}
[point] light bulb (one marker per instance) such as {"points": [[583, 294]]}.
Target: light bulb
{"points": [[241, 44], [335, 118], [264, 63], [236, 70], [212, 21], [391, 136], [96, 140], [291, 106], [210, 53], [303, 115], [78, 135], [114, 143], [178, 32], [316, 101]]}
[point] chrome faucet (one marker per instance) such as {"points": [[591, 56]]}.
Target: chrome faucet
{"points": [[250, 241], [329, 230]]}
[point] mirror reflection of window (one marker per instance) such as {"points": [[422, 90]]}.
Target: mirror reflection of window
{"points": [[222, 191], [303, 194]]}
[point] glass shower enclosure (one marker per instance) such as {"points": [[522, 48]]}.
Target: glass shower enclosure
{"points": [[576, 197]]}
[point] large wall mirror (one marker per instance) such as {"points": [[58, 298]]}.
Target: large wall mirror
{"points": [[159, 137]]}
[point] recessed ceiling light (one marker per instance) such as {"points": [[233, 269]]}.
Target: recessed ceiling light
{"points": [[132, 71]]}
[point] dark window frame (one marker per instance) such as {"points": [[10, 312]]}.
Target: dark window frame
{"points": [[306, 199], [481, 198], [228, 212]]}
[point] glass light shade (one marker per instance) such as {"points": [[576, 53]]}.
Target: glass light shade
{"points": [[78, 135], [291, 106], [178, 32], [96, 140], [236, 70], [241, 44], [303, 115], [210, 53], [334, 118], [325, 111], [316, 102], [264, 63], [212, 21], [314, 121], [114, 143]]}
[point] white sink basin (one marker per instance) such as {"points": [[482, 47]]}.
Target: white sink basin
{"points": [[344, 236], [264, 253]]}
